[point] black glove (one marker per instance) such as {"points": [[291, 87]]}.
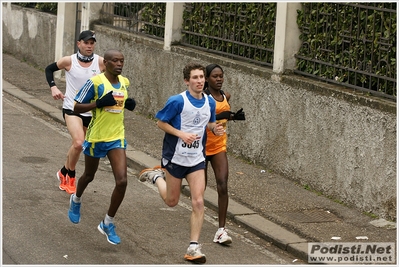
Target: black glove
{"points": [[224, 115], [107, 100], [239, 115], [130, 104]]}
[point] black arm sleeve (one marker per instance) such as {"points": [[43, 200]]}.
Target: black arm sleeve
{"points": [[224, 115], [49, 73]]}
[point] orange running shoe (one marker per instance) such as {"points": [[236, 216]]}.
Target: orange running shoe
{"points": [[157, 167], [152, 169], [195, 255], [62, 179], [70, 185]]}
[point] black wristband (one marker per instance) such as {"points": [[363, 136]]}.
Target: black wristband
{"points": [[52, 83]]}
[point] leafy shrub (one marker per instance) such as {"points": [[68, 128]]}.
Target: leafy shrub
{"points": [[45, 7], [354, 44]]}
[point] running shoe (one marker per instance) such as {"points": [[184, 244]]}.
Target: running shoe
{"points": [[62, 179], [150, 174], [222, 237], [109, 231], [195, 255], [70, 187], [158, 167], [74, 211]]}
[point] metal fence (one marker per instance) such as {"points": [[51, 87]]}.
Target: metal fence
{"points": [[237, 30], [350, 44], [141, 18], [353, 44]]}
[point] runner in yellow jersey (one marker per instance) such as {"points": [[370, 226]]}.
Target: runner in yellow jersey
{"points": [[106, 95]]}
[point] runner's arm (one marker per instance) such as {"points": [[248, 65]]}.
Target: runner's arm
{"points": [[187, 138], [84, 99], [63, 63]]}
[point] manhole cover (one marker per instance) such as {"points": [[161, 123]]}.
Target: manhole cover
{"points": [[33, 159], [312, 216]]}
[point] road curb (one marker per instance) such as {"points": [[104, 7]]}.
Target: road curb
{"points": [[252, 221]]}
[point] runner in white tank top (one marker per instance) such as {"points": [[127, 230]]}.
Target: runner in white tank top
{"points": [[184, 119], [76, 77], [78, 68]]}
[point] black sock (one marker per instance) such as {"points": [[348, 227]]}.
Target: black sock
{"points": [[193, 243], [64, 171], [71, 174]]}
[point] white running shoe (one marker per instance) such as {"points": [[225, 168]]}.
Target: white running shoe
{"points": [[195, 255], [222, 237], [150, 174]]}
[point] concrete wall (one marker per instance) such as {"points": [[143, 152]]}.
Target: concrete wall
{"points": [[328, 138], [29, 34]]}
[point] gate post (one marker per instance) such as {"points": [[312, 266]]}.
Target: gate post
{"points": [[65, 35], [287, 40], [173, 23], [90, 12]]}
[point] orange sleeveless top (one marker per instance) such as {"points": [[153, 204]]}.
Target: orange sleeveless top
{"points": [[216, 144]]}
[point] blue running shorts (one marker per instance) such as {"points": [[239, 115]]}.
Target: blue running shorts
{"points": [[100, 149]]}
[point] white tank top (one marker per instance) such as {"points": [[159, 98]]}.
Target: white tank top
{"points": [[76, 77], [193, 120]]}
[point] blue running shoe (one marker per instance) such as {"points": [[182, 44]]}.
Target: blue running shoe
{"points": [[74, 211], [109, 231]]}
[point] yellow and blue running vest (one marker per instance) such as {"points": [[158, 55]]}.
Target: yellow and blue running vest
{"points": [[107, 123]]}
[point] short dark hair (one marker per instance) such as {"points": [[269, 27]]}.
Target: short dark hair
{"points": [[192, 66], [110, 53]]}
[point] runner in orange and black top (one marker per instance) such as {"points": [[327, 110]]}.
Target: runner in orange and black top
{"points": [[216, 146]]}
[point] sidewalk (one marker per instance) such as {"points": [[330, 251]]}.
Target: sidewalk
{"points": [[270, 205]]}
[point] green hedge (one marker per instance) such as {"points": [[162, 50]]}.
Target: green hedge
{"points": [[45, 7], [246, 30], [350, 43]]}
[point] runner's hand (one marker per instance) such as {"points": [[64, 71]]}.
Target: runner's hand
{"points": [[239, 115], [130, 104], [224, 115], [56, 93], [107, 100]]}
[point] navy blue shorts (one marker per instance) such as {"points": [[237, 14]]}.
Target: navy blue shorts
{"points": [[180, 171]]}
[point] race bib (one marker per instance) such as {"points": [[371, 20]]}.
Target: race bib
{"points": [[189, 150], [119, 98]]}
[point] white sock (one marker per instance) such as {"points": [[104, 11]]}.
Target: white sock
{"points": [[108, 220], [220, 229], [155, 178], [75, 199], [193, 244]]}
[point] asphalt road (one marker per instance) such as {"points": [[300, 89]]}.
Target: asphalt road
{"points": [[36, 228]]}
